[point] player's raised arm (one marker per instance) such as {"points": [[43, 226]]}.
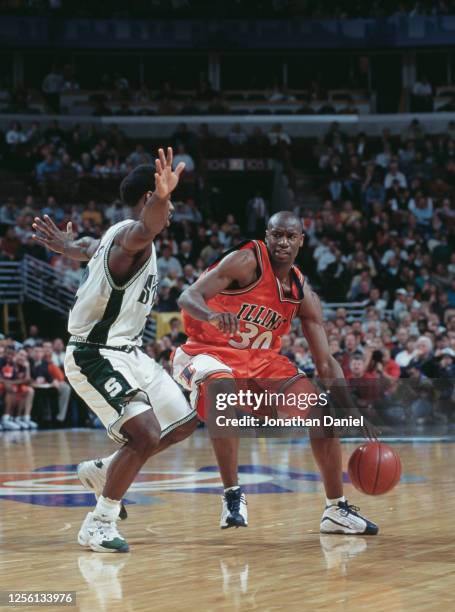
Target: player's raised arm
{"points": [[329, 370], [51, 237], [155, 213], [239, 267]]}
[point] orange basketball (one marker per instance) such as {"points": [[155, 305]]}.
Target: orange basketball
{"points": [[374, 468]]}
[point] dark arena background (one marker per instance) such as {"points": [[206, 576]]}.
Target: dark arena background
{"points": [[342, 113]]}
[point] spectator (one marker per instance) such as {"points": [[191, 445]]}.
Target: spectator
{"points": [[278, 136], [167, 298], [186, 255], [210, 252], [58, 353], [351, 347], [189, 275], [72, 276], [236, 136], [34, 336], [257, 215], [414, 131], [364, 386], [52, 209], [422, 359], [349, 109], [167, 263], [422, 209], [52, 87], [176, 336], [117, 211], [139, 156], [15, 382], [183, 156], [15, 134], [48, 169], [92, 214], [58, 381], [422, 96], [9, 212], [10, 245], [395, 175]]}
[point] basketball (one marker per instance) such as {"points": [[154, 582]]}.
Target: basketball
{"points": [[374, 468]]}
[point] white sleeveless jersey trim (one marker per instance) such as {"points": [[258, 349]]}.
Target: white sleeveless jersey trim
{"points": [[106, 264], [107, 313]]}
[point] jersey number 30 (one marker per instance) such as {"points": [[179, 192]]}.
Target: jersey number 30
{"points": [[251, 338]]}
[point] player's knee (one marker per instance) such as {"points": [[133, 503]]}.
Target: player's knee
{"points": [[143, 432], [215, 385], [182, 432], [146, 442]]}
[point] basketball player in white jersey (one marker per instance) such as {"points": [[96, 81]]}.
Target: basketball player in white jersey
{"points": [[140, 405]]}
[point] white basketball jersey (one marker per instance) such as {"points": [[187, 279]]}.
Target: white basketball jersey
{"points": [[109, 314]]}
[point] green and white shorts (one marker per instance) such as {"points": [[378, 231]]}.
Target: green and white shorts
{"points": [[108, 379]]}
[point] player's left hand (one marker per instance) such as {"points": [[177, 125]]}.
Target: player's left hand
{"points": [[226, 322], [50, 236], [166, 179]]}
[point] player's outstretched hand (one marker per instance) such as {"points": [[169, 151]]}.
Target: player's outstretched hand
{"points": [[226, 322], [166, 179], [50, 236]]}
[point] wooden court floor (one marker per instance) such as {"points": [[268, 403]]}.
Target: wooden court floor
{"points": [[181, 560]]}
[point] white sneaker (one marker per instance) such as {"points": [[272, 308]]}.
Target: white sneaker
{"points": [[234, 511], [92, 475], [31, 424], [101, 536], [9, 424], [345, 519], [21, 422]]}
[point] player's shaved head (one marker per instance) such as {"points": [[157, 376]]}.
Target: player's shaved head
{"points": [[284, 237], [285, 218]]}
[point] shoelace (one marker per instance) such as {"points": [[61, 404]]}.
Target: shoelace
{"points": [[349, 509], [109, 529], [233, 501]]}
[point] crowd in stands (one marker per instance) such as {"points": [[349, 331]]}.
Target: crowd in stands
{"points": [[383, 239], [115, 96], [55, 161], [32, 378], [310, 9]]}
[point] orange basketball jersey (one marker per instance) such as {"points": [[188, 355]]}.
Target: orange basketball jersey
{"points": [[264, 311]]}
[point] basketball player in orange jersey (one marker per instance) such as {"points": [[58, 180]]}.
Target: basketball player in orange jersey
{"points": [[234, 316]]}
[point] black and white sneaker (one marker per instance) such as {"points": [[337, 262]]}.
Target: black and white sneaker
{"points": [[234, 512], [92, 475], [345, 519]]}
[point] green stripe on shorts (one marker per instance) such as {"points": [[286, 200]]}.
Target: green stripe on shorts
{"points": [[98, 370]]}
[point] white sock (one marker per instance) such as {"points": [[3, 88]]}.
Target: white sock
{"points": [[107, 509], [6, 417], [232, 488], [334, 502], [26, 417]]}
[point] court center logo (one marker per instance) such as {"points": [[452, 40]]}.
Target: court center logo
{"points": [[58, 485]]}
